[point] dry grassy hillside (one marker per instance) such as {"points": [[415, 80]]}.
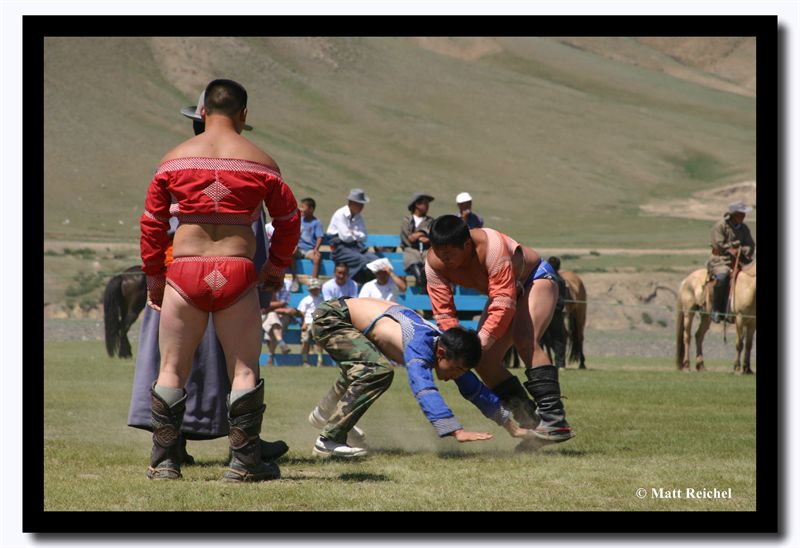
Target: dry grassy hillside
{"points": [[559, 140]]}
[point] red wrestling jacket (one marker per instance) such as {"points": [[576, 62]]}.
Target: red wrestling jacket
{"points": [[502, 303], [216, 191]]}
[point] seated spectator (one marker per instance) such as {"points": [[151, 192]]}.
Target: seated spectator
{"points": [[414, 238], [340, 285], [305, 310], [348, 235], [310, 240], [464, 202], [278, 316], [386, 285]]}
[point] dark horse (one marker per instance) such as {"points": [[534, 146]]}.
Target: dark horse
{"points": [[123, 300]]}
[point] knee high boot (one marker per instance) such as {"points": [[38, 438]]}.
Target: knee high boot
{"points": [[245, 415], [418, 271], [720, 301], [543, 385], [516, 400], [167, 453]]}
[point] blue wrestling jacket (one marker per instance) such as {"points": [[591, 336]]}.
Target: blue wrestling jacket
{"points": [[419, 344]]}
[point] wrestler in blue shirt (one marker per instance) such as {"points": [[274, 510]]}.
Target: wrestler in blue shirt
{"points": [[419, 352]]}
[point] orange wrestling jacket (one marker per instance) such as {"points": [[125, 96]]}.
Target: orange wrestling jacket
{"points": [[502, 303], [216, 191]]}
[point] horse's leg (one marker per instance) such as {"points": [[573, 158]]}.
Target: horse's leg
{"points": [[705, 322], [687, 339], [577, 336], [737, 365], [750, 330]]}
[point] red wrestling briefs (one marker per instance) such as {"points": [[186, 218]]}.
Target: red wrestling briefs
{"points": [[212, 283]]}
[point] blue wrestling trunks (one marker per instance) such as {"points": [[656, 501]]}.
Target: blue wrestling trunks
{"points": [[544, 270]]}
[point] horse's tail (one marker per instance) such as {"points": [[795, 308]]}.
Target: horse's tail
{"points": [[680, 348], [575, 339], [112, 314]]}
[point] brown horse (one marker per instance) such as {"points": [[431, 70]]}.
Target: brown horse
{"points": [[124, 298], [694, 296], [743, 305], [575, 316]]}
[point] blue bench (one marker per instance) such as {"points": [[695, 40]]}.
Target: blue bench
{"points": [[383, 240], [326, 266]]}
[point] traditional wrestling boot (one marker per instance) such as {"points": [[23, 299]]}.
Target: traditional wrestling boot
{"points": [[543, 385], [186, 458], [167, 453], [515, 398], [245, 415], [418, 272]]}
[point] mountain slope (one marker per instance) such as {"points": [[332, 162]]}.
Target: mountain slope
{"points": [[561, 141]]}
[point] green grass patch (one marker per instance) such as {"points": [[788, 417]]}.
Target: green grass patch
{"points": [[639, 424]]}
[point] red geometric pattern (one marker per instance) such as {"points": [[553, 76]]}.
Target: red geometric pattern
{"points": [[216, 190], [216, 164], [156, 217], [217, 218], [215, 280], [211, 259]]}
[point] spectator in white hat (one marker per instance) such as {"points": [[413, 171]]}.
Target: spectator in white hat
{"points": [[732, 245], [348, 234], [464, 202], [305, 309], [387, 285]]}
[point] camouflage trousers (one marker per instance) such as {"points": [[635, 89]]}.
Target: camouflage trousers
{"points": [[364, 372]]}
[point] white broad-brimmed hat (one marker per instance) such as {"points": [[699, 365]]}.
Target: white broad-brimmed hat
{"points": [[357, 195], [314, 283], [463, 197], [193, 113], [380, 264], [739, 207]]}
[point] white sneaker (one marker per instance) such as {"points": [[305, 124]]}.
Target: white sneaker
{"points": [[327, 448], [356, 436], [316, 419]]}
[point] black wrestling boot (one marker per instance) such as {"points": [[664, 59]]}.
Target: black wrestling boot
{"points": [[186, 458], [515, 398], [273, 450], [245, 416], [167, 453], [418, 272], [270, 450], [543, 385]]}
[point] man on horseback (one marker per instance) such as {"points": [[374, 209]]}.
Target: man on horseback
{"points": [[732, 246]]}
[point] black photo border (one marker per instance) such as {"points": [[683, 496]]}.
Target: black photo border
{"points": [[766, 521]]}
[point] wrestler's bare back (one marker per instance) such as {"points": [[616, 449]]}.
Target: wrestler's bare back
{"points": [[203, 239], [386, 334]]}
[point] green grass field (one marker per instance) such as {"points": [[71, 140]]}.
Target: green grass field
{"points": [[639, 424]]}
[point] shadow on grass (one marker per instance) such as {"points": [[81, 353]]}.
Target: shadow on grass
{"points": [[351, 477]]}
